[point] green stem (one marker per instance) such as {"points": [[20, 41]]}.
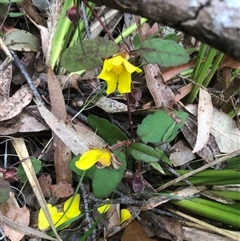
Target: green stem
{"points": [[60, 34], [234, 195], [129, 30], [215, 66], [205, 182], [79, 30], [202, 51], [210, 212], [229, 173], [201, 74]]}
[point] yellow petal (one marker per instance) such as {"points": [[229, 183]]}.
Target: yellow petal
{"points": [[42, 220], [106, 158], [131, 68], [125, 215], [88, 159], [71, 208], [59, 218], [124, 83], [103, 208], [107, 75], [118, 60]]}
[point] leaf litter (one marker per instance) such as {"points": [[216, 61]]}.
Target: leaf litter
{"points": [[208, 131]]}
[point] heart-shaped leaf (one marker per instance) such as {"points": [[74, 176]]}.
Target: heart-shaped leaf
{"points": [[88, 55], [160, 127], [109, 132], [143, 152], [106, 180], [166, 53]]}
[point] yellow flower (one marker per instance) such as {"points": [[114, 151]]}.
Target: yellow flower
{"points": [[104, 208], [89, 158], [60, 217], [117, 71], [71, 208], [124, 215]]}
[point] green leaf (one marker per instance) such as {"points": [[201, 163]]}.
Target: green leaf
{"points": [[163, 156], [12, 1], [155, 128], [4, 190], [106, 180], [37, 165], [143, 152], [21, 40], [89, 55], [15, 15], [166, 53], [109, 132], [157, 166], [168, 134]]}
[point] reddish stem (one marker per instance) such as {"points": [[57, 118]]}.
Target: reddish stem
{"points": [[100, 21]]}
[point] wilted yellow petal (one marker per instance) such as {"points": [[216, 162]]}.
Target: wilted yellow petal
{"points": [[125, 215], [42, 220], [103, 208], [71, 208]]}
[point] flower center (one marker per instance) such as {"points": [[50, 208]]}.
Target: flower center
{"points": [[105, 159], [117, 70]]}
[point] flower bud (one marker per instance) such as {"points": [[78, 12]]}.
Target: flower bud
{"points": [[11, 174], [74, 14]]}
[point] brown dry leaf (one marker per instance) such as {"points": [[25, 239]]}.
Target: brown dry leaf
{"points": [[5, 82], [226, 132], [183, 91], [205, 116], [110, 106], [44, 38], [210, 150], [45, 183], [161, 226], [15, 214], [181, 154], [78, 138], [113, 215], [22, 152], [179, 194], [62, 190], [229, 62], [22, 123], [12, 106], [192, 233], [135, 231], [62, 153], [224, 129], [173, 71], [70, 81], [160, 91]]}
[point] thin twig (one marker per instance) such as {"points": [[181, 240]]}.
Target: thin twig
{"points": [[181, 178], [100, 21], [86, 209], [18, 62], [6, 15]]}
